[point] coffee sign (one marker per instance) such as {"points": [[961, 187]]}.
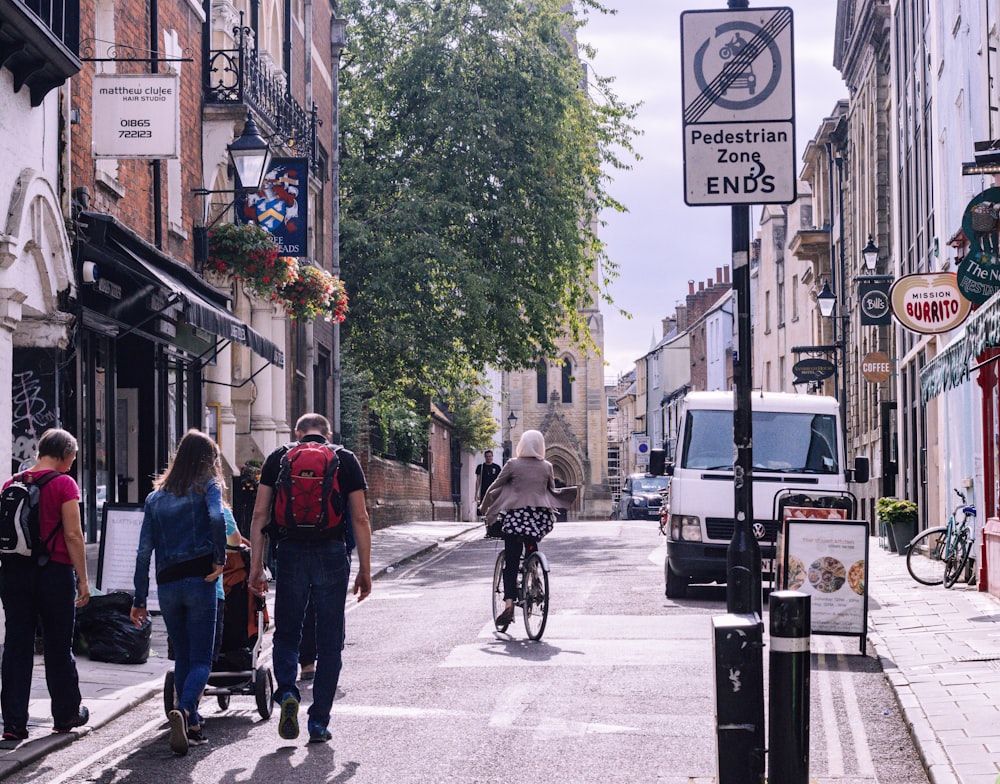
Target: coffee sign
{"points": [[876, 367], [930, 302]]}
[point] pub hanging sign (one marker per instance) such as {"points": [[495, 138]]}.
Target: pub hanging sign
{"points": [[281, 205], [979, 271]]}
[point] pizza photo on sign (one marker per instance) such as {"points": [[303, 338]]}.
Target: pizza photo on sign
{"points": [[827, 574], [856, 577], [796, 573]]}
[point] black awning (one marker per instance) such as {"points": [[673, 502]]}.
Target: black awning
{"points": [[203, 306]]}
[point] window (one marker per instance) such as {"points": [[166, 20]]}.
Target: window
{"points": [[567, 381], [542, 381]]}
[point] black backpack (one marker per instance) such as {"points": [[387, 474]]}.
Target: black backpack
{"points": [[20, 531]]}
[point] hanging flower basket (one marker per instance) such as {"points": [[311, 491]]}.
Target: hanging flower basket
{"points": [[249, 253], [314, 293]]}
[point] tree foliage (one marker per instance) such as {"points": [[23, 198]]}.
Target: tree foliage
{"points": [[472, 174]]}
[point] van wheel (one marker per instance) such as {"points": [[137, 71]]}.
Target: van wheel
{"points": [[677, 586]]}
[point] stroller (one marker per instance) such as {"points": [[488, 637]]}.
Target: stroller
{"points": [[237, 670]]}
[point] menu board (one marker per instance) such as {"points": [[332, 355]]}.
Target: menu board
{"points": [[828, 560], [119, 542], [799, 513]]}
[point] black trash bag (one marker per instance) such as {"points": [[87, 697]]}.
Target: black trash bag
{"points": [[107, 631]]}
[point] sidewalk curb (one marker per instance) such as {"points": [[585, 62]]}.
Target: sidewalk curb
{"points": [[927, 743], [124, 701], [422, 551]]}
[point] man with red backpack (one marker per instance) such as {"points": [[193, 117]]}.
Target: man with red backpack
{"points": [[308, 492]]}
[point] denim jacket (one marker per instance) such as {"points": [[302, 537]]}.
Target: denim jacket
{"points": [[179, 529]]}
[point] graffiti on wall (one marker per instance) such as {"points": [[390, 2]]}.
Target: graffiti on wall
{"points": [[34, 400]]}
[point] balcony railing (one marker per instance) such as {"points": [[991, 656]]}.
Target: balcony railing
{"points": [[40, 43], [237, 76]]}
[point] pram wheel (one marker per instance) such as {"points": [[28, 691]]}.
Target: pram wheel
{"points": [[263, 687], [169, 698], [223, 701]]}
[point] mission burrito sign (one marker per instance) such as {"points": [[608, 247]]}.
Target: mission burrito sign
{"points": [[929, 303]]}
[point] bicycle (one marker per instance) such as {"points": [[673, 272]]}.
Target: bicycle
{"points": [[532, 591], [940, 554]]}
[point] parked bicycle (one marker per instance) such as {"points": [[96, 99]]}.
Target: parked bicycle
{"points": [[532, 591], [941, 554]]}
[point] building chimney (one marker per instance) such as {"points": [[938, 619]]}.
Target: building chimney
{"points": [[725, 274], [718, 274], [701, 286], [690, 287]]}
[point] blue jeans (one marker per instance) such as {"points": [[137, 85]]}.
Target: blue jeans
{"points": [[316, 573], [31, 593], [188, 607]]}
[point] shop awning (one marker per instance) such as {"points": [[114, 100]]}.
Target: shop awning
{"points": [[203, 306], [951, 366]]}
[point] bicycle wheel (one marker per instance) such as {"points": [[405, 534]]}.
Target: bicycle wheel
{"points": [[955, 563], [536, 596], [498, 603], [925, 558]]}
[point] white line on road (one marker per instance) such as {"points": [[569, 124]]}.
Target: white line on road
{"points": [[834, 753], [101, 756]]}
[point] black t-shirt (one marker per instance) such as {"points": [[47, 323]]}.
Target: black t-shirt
{"points": [[486, 472], [350, 477]]}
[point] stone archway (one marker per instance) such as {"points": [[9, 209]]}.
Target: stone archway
{"points": [[567, 471]]}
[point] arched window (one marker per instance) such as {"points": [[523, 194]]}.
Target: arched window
{"points": [[542, 379], [567, 381]]}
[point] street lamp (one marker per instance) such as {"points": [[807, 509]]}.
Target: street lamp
{"points": [[870, 255], [508, 442], [338, 40], [250, 155], [826, 300]]}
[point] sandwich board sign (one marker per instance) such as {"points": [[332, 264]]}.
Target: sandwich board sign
{"points": [[738, 91]]}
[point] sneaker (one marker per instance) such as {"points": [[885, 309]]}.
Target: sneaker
{"points": [[178, 733], [15, 735], [197, 737], [308, 672], [82, 717], [288, 721], [318, 733]]}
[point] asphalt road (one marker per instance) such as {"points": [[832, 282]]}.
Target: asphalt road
{"points": [[619, 688]]}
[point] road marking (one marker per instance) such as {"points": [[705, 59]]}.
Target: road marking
{"points": [[101, 755], [834, 753]]}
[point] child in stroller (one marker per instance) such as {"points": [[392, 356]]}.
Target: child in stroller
{"points": [[241, 619]]}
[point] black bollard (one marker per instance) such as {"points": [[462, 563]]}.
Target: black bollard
{"points": [[788, 698], [739, 698]]}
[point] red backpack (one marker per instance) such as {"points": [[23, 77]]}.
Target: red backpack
{"points": [[307, 503]]}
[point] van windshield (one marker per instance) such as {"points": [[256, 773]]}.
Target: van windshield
{"points": [[783, 442]]}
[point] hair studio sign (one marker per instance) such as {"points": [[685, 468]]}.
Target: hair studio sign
{"points": [[929, 302]]}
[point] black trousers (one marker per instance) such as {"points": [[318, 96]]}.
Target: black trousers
{"points": [[513, 546]]}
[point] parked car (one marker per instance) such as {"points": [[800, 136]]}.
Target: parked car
{"points": [[642, 496]]}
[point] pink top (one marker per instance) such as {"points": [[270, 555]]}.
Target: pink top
{"points": [[58, 491]]}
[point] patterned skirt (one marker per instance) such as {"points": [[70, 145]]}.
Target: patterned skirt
{"points": [[534, 521]]}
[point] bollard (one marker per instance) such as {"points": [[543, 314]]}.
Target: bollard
{"points": [[788, 696], [739, 698]]}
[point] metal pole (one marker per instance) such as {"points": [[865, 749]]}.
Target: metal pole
{"points": [[788, 690], [336, 48], [739, 698], [743, 581]]}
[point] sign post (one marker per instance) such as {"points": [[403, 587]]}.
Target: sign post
{"points": [[739, 149]]}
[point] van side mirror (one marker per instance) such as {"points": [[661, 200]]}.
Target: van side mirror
{"points": [[657, 461], [862, 470]]}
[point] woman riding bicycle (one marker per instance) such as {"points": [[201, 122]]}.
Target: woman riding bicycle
{"points": [[523, 500]]}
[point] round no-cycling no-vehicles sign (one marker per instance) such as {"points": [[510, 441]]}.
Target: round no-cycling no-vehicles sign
{"points": [[739, 106]]}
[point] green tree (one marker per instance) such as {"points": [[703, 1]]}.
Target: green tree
{"points": [[472, 176]]}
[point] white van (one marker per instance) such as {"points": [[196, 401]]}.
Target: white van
{"points": [[797, 446]]}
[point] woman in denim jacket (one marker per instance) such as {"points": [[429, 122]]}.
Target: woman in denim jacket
{"points": [[184, 524]]}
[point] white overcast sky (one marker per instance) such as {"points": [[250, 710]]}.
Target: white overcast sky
{"points": [[661, 243]]}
